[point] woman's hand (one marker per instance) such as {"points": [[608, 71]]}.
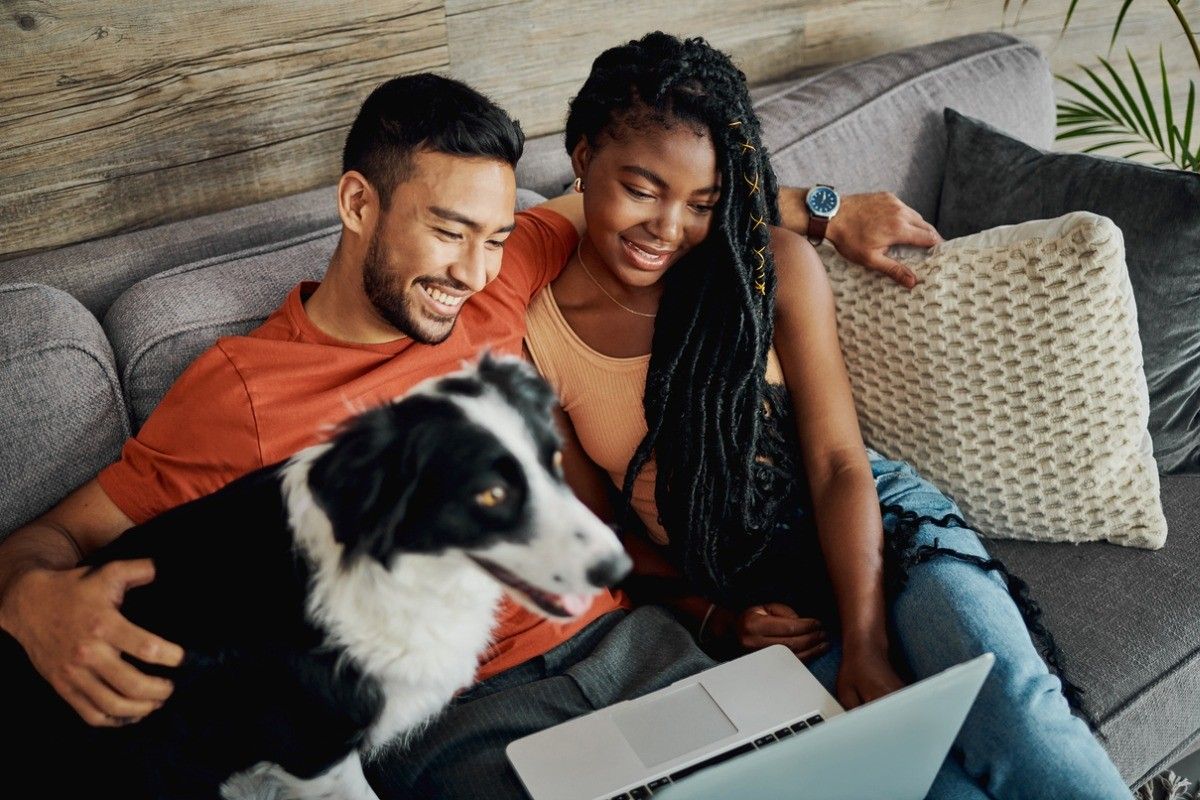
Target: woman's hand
{"points": [[771, 623], [865, 675]]}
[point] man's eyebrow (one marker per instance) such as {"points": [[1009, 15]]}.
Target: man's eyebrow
{"points": [[660, 183], [454, 216]]}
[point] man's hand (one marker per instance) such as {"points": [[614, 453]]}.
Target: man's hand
{"points": [[71, 627], [774, 623], [866, 225], [865, 676]]}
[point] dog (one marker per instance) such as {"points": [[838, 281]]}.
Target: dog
{"points": [[332, 604]]}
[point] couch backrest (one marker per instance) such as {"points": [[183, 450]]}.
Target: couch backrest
{"points": [[876, 124]]}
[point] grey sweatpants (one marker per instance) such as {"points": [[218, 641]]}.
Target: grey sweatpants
{"points": [[461, 754]]}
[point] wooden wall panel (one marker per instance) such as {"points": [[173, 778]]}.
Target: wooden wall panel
{"points": [[118, 115], [532, 56]]}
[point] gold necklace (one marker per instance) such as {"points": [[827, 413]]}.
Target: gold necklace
{"points": [[588, 272]]}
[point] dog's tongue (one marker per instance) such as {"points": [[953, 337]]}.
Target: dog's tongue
{"points": [[575, 604]]}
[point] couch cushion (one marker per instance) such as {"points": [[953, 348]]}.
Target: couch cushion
{"points": [[61, 414], [992, 179], [1126, 622], [162, 323], [97, 272], [877, 124], [991, 368]]}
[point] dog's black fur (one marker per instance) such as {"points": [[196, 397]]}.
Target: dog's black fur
{"points": [[260, 681]]}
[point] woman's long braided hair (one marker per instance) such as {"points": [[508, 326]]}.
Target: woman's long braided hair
{"points": [[704, 397]]}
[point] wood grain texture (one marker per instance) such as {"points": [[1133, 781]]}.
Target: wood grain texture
{"points": [[532, 56], [119, 115]]}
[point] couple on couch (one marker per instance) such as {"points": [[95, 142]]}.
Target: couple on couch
{"points": [[690, 332]]}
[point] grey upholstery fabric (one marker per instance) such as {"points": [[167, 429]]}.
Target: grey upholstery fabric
{"points": [[877, 124], [62, 418], [162, 323], [1126, 622], [96, 272], [992, 179]]}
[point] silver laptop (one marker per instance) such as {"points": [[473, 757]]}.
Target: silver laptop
{"points": [[760, 726]]}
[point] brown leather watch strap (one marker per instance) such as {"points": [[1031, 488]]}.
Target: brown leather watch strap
{"points": [[816, 229]]}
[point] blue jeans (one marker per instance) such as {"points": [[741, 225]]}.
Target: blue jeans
{"points": [[1020, 739]]}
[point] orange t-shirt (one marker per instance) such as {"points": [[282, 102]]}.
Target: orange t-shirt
{"points": [[253, 400]]}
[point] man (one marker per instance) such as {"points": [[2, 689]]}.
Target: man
{"points": [[426, 202]]}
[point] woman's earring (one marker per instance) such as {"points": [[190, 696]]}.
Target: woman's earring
{"points": [[578, 185]]}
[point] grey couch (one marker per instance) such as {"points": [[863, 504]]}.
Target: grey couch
{"points": [[92, 336]]}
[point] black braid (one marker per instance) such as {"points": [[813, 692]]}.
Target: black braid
{"points": [[706, 383]]}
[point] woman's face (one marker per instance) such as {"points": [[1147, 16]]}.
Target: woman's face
{"points": [[648, 198]]}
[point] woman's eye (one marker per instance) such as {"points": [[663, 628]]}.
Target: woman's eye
{"points": [[702, 209], [495, 244], [638, 193]]}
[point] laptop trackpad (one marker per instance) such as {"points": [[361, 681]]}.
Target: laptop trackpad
{"points": [[665, 727]]}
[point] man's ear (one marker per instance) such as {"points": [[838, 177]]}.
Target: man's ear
{"points": [[358, 203], [581, 158]]}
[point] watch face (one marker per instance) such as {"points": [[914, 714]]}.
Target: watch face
{"points": [[823, 201]]}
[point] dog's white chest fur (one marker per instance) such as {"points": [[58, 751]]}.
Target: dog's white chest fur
{"points": [[418, 628]]}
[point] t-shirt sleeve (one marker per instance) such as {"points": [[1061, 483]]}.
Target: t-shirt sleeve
{"points": [[536, 250], [199, 438]]}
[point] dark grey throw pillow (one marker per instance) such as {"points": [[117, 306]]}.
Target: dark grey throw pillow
{"points": [[992, 179]]}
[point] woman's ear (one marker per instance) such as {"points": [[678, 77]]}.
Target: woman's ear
{"points": [[581, 157]]}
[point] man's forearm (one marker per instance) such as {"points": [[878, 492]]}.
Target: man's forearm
{"points": [[39, 545]]}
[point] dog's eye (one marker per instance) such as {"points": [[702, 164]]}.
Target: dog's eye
{"points": [[494, 496], [557, 460]]}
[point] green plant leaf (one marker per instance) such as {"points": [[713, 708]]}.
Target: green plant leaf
{"points": [[1117, 28], [1151, 113], [1083, 90], [1168, 112], [1110, 143], [1185, 137], [1124, 90], [1067, 21], [1093, 130]]}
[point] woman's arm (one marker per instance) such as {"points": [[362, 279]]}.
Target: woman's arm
{"points": [[845, 502]]}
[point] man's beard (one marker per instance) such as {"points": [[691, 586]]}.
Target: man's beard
{"points": [[389, 299]]}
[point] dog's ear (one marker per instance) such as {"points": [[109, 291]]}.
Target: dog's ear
{"points": [[518, 383], [367, 478]]}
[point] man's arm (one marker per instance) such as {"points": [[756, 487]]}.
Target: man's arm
{"points": [[862, 230], [68, 619]]}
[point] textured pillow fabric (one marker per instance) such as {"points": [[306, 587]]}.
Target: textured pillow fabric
{"points": [[1012, 378], [992, 179]]}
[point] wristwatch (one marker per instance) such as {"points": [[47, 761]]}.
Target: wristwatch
{"points": [[823, 202]]}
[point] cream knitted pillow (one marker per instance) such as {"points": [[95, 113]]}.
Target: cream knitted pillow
{"points": [[1011, 377]]}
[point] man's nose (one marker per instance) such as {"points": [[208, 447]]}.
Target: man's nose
{"points": [[471, 269]]}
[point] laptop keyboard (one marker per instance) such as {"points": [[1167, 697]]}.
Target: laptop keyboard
{"points": [[639, 792]]}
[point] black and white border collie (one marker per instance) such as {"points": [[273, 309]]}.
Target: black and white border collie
{"points": [[334, 603]]}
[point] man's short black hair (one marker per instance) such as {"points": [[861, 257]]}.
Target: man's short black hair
{"points": [[425, 112]]}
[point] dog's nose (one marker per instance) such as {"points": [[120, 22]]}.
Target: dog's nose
{"points": [[609, 571]]}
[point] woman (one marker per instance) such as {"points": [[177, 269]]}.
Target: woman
{"points": [[695, 349]]}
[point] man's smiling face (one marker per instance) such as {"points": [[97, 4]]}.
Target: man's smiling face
{"points": [[439, 241]]}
